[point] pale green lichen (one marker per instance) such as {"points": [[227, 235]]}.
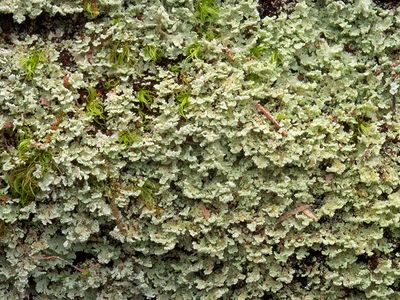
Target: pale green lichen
{"points": [[184, 190]]}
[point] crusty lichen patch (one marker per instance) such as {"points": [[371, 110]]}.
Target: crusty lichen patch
{"points": [[151, 170]]}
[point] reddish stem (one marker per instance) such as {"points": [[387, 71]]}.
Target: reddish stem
{"points": [[270, 117]]}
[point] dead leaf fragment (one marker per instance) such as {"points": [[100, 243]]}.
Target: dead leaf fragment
{"points": [[310, 214], [7, 125], [66, 82], [4, 198], [229, 54], [304, 208], [329, 177], [89, 55], [44, 101], [206, 213]]}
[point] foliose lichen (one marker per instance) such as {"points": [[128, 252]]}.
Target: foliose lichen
{"points": [[134, 163]]}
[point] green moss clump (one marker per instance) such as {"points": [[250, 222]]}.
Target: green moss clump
{"points": [[206, 10], [21, 180], [94, 107], [182, 98], [91, 8], [127, 137], [193, 52], [152, 53], [30, 63], [120, 54]]}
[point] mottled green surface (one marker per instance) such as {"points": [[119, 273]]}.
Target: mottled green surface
{"points": [[140, 167]]}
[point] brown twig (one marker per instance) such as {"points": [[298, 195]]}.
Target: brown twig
{"points": [[118, 217], [304, 208], [54, 126], [206, 212], [52, 257], [229, 54], [115, 186], [270, 117], [4, 198]]}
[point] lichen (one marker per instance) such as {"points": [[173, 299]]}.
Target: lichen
{"points": [[136, 164]]}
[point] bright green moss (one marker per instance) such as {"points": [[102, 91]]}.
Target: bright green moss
{"points": [[91, 8], [275, 56], [120, 54], [175, 68], [182, 98], [24, 142], [22, 181], [364, 127], [258, 50], [31, 62], [94, 107], [152, 53], [206, 10], [145, 97], [193, 52], [127, 137]]}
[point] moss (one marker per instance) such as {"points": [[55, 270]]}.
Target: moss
{"points": [[147, 191], [94, 107], [127, 137], [182, 98], [152, 53], [364, 127], [120, 54], [111, 84], [175, 68], [276, 56], [193, 52], [31, 62], [253, 77], [145, 97], [258, 50], [91, 8], [24, 142], [206, 11], [21, 180]]}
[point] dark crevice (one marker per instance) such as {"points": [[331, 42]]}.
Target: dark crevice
{"points": [[66, 59], [32, 287], [81, 257], [83, 95], [166, 62], [272, 8], [43, 25], [8, 136], [388, 4]]}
